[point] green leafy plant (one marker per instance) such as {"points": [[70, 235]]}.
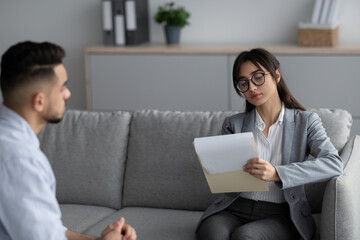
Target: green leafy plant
{"points": [[171, 15]]}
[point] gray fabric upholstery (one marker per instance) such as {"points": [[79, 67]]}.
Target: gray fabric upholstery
{"points": [[159, 224], [337, 124], [317, 218], [79, 218], [340, 217], [162, 168], [87, 151]]}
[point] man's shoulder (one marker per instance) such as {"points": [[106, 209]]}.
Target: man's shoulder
{"points": [[13, 141], [16, 152]]}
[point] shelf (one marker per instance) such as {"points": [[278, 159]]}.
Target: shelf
{"points": [[225, 49]]}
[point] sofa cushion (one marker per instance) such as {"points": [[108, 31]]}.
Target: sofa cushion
{"points": [[162, 169], [79, 218], [155, 224], [87, 151], [337, 124]]}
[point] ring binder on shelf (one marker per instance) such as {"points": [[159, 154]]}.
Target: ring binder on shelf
{"points": [[119, 22], [108, 32], [136, 22]]}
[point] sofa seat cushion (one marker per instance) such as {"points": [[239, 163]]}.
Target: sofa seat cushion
{"points": [[152, 223], [79, 218]]}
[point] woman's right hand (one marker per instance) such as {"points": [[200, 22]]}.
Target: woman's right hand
{"points": [[261, 169]]}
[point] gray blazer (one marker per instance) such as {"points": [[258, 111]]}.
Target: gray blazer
{"points": [[303, 135]]}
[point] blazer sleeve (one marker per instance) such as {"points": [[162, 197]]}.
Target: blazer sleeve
{"points": [[325, 164]]}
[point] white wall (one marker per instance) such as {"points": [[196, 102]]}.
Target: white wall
{"points": [[76, 24], [73, 24], [270, 21]]}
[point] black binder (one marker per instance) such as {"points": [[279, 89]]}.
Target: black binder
{"points": [[107, 22], [136, 21]]}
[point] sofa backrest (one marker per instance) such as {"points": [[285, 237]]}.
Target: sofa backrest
{"points": [[162, 169], [337, 124], [87, 151]]}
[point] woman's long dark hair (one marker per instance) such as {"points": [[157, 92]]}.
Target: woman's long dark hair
{"points": [[259, 56]]}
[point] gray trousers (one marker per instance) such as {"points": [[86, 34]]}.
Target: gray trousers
{"points": [[249, 219]]}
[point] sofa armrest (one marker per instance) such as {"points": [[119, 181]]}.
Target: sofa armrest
{"points": [[340, 215]]}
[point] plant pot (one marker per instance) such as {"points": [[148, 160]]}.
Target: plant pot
{"points": [[172, 34]]}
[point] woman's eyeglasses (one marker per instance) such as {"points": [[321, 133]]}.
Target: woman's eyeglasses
{"points": [[257, 79]]}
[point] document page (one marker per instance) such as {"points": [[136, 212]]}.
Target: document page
{"points": [[225, 153], [222, 159]]}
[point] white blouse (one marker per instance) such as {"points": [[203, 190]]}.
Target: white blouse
{"points": [[269, 149]]}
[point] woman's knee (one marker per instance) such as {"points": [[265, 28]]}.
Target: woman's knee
{"points": [[244, 233], [213, 228]]}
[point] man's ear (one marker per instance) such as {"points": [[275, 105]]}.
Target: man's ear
{"points": [[38, 101], [278, 75]]}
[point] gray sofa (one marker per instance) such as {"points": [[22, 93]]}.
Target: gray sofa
{"points": [[142, 166]]}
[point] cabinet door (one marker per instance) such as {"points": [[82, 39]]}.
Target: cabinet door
{"points": [[163, 82], [325, 82], [237, 103], [321, 82]]}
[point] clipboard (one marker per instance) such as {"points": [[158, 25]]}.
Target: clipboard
{"points": [[232, 181]]}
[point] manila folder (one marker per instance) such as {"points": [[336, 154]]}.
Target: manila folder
{"points": [[237, 181], [222, 158]]}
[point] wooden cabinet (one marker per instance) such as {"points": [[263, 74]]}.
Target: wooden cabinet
{"points": [[163, 82]]}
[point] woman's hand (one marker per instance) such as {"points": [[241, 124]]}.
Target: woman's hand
{"points": [[261, 169]]}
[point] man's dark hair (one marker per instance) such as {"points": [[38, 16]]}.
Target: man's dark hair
{"points": [[28, 62]]}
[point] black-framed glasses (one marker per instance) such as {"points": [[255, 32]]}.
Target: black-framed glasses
{"points": [[257, 79]]}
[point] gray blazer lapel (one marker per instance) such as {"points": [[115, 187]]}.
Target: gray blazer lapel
{"points": [[289, 129], [249, 121]]}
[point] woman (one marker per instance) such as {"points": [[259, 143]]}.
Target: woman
{"points": [[285, 134]]}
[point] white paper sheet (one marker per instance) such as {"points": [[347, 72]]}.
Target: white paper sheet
{"points": [[225, 153]]}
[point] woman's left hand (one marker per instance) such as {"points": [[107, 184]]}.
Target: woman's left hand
{"points": [[261, 169]]}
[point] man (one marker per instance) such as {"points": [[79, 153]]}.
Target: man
{"points": [[33, 84]]}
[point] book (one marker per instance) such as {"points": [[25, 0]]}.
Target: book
{"points": [[324, 11], [315, 18], [333, 11]]}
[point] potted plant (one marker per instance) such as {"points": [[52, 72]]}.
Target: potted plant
{"points": [[174, 18]]}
